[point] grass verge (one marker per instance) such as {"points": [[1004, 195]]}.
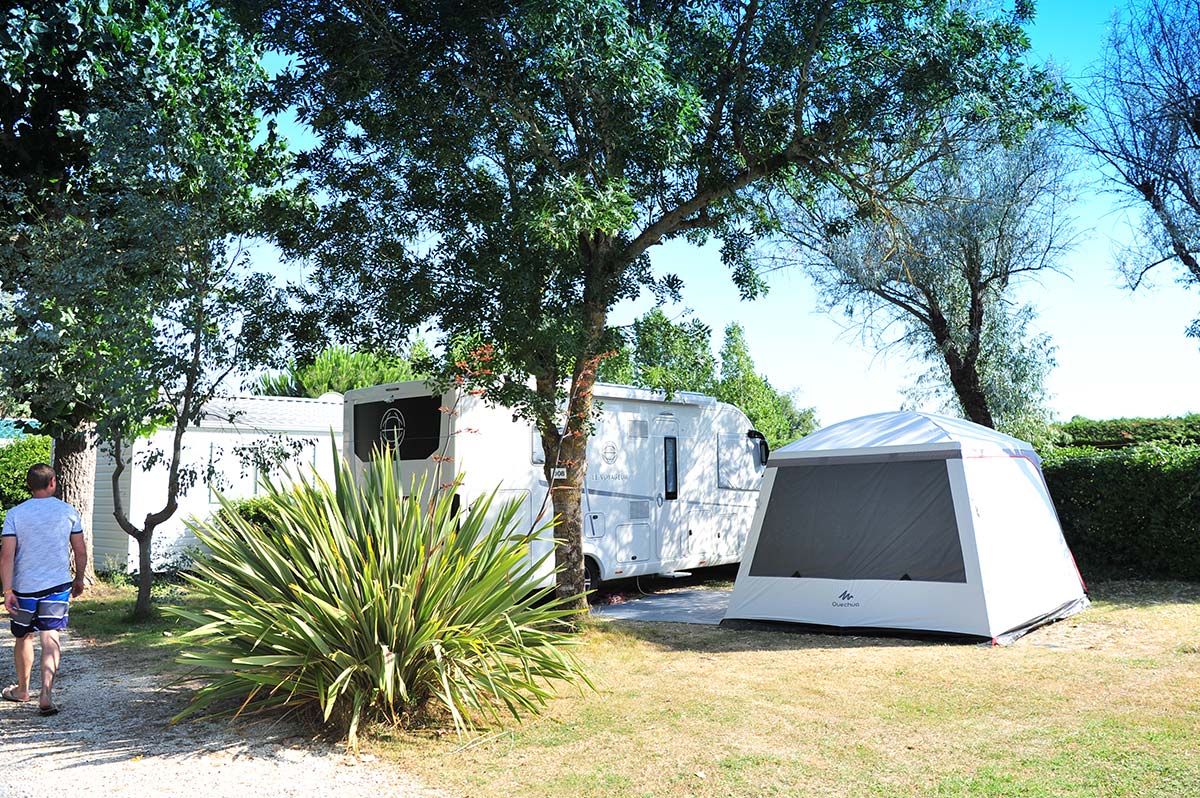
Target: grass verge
{"points": [[1104, 704], [103, 615], [1101, 705]]}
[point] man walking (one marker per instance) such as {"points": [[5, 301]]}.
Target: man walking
{"points": [[38, 538]]}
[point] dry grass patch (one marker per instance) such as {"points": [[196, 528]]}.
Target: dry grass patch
{"points": [[1102, 705]]}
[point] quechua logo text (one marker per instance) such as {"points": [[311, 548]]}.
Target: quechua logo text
{"points": [[846, 599]]}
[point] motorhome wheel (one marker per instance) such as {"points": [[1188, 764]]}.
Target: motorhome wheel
{"points": [[591, 575]]}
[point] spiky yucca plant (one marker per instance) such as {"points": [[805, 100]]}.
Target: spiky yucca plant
{"points": [[372, 605]]}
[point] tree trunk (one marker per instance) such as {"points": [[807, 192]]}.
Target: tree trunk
{"points": [[141, 610], [568, 450], [75, 469], [963, 368], [568, 533], [965, 379]]}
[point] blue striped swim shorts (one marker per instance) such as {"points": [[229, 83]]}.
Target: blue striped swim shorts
{"points": [[43, 611]]}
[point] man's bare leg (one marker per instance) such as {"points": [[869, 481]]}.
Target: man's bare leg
{"points": [[51, 654], [23, 659]]}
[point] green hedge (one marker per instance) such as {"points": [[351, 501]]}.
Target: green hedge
{"points": [[258, 510], [1121, 432], [1129, 512], [15, 460]]}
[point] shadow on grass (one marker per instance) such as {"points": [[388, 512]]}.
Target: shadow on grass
{"points": [[751, 636], [104, 615], [709, 639], [1134, 593]]}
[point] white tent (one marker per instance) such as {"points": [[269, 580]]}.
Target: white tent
{"points": [[907, 521]]}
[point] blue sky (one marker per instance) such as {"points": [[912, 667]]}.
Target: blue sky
{"points": [[1119, 353]]}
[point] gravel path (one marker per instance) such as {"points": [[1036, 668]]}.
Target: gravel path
{"points": [[114, 738]]}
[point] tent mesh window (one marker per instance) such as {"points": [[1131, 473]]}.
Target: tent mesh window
{"points": [[886, 521]]}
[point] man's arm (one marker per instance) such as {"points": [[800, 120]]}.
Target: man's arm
{"points": [[8, 555], [79, 548]]}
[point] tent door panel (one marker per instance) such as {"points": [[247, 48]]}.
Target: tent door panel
{"points": [[890, 521]]}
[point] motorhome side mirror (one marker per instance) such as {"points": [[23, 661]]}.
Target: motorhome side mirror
{"points": [[764, 449]]}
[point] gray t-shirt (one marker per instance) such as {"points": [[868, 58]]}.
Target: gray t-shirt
{"points": [[43, 529]]}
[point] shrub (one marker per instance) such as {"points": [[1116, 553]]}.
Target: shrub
{"points": [[255, 510], [1121, 432], [373, 606], [341, 369], [1129, 512], [15, 459]]}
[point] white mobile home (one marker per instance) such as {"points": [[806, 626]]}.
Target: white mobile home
{"points": [[226, 436], [671, 483]]}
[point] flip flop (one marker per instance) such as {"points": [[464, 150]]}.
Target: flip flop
{"points": [[46, 712], [7, 695]]}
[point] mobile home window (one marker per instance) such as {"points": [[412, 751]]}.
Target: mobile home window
{"points": [[670, 468], [212, 464], [537, 455]]}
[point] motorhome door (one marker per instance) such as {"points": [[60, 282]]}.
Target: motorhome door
{"points": [[671, 516]]}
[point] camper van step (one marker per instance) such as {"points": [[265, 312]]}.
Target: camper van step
{"points": [[676, 575]]}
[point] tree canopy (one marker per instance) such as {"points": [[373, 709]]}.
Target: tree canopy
{"points": [[54, 58], [340, 369], [664, 355], [132, 140], [1145, 130], [936, 276], [503, 169], [677, 356]]}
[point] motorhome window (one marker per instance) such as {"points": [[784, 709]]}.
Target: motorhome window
{"points": [[411, 425], [738, 462], [889, 521], [670, 468], [537, 455]]}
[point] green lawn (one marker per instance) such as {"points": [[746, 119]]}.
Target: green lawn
{"points": [[102, 615], [1104, 704]]}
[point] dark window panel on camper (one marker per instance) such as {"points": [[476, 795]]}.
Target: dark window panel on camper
{"points": [[413, 424], [670, 468], [888, 521]]}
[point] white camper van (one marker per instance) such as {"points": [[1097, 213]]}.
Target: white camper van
{"points": [[671, 483]]}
